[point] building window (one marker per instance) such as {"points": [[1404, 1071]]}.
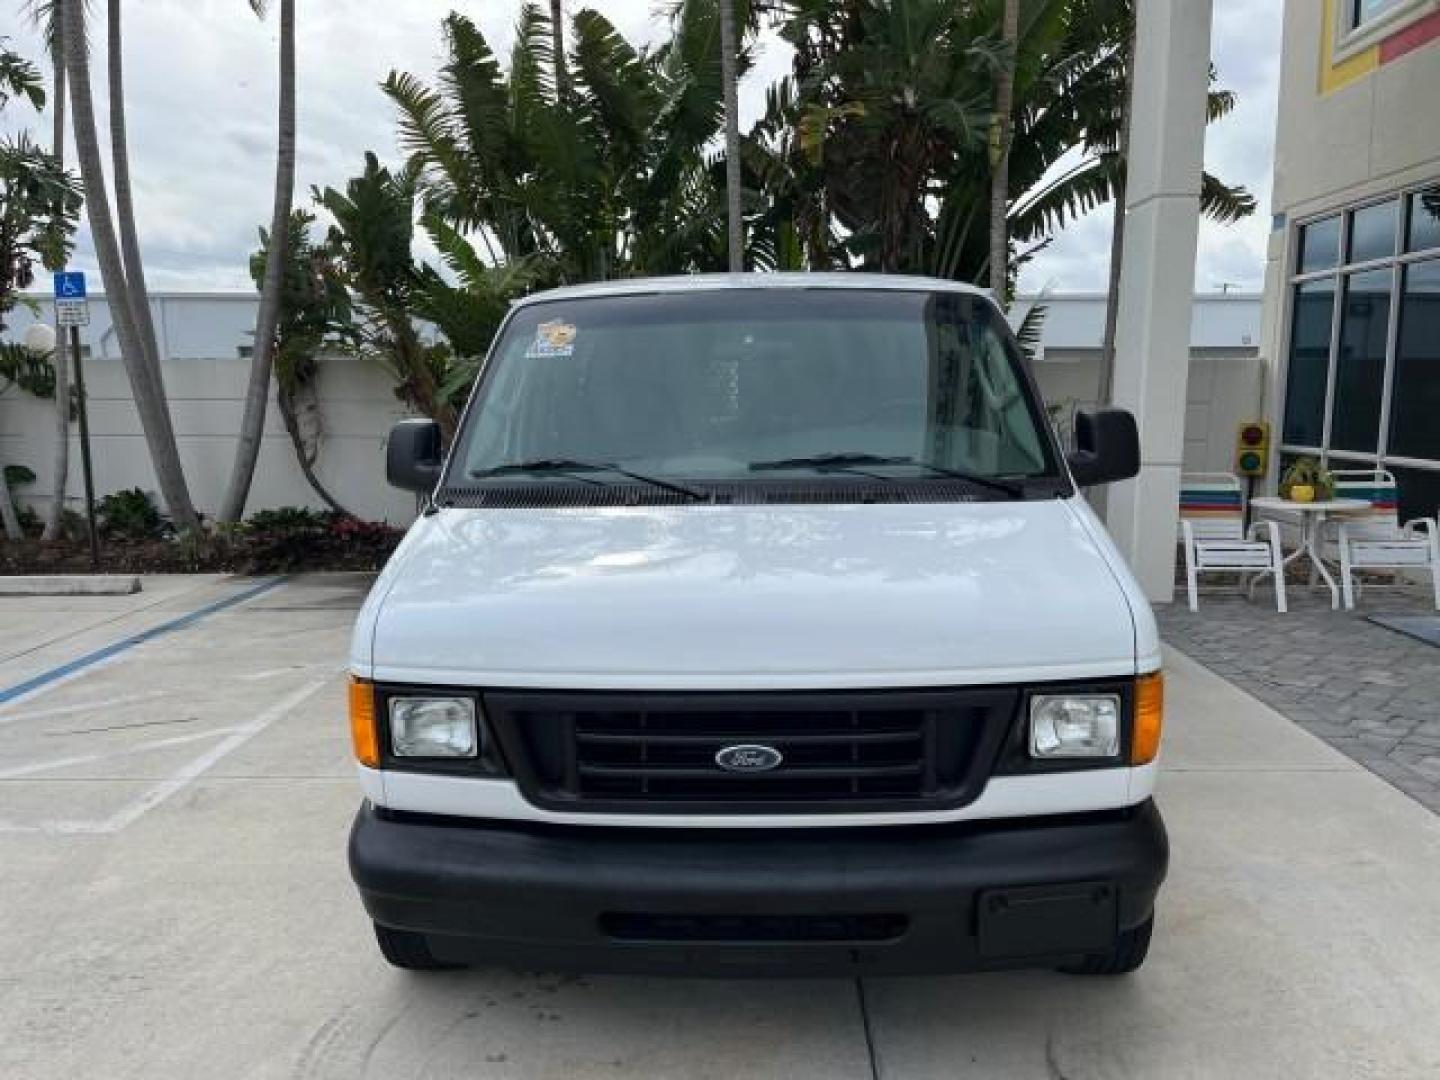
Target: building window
{"points": [[1320, 245], [1424, 220], [1309, 363], [1366, 11], [1415, 414], [1362, 378], [1372, 232], [1360, 361]]}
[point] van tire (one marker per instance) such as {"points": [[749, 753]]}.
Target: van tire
{"points": [[409, 951], [1126, 956]]}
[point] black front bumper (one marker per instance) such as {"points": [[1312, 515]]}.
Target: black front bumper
{"points": [[895, 900]]}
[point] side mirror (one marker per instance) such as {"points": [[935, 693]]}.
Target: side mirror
{"points": [[1107, 447], [413, 456]]}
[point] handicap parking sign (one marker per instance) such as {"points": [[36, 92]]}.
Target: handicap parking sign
{"points": [[70, 286], [71, 306]]}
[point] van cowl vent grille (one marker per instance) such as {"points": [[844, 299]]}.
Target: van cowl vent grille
{"points": [[550, 495]]}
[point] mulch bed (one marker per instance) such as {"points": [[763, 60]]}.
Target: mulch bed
{"points": [[361, 546]]}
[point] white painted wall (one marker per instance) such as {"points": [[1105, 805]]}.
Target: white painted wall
{"points": [[205, 378], [205, 381], [1222, 391]]}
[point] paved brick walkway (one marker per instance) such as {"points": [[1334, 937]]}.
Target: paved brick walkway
{"points": [[1371, 693]]}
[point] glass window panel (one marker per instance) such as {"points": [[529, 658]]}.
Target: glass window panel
{"points": [[1364, 11], [1320, 245], [1372, 232], [1415, 400], [1309, 362], [1360, 363], [1424, 220], [1419, 492]]}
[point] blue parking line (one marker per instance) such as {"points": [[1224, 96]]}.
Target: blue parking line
{"points": [[10, 693]]}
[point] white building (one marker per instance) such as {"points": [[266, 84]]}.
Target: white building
{"points": [[1352, 296], [206, 340]]}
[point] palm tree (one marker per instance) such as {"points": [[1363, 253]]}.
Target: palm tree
{"points": [[47, 16], [316, 315], [729, 79], [257, 394], [39, 210], [137, 292], [145, 385], [909, 83], [557, 49], [611, 182], [1000, 134], [913, 83], [1117, 241]]}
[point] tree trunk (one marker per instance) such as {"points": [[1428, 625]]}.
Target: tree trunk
{"points": [[304, 456], [735, 235], [8, 518], [557, 46], [257, 393], [1117, 240], [1112, 301], [138, 293], [60, 471], [149, 399], [1000, 157]]}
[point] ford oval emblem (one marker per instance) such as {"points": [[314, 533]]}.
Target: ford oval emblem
{"points": [[748, 758]]}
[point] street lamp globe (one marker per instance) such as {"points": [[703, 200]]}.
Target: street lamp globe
{"points": [[40, 339]]}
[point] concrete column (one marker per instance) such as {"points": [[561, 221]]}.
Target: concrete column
{"points": [[1152, 341]]}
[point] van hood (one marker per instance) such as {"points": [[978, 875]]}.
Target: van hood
{"points": [[727, 597]]}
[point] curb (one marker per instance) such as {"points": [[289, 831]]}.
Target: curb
{"points": [[70, 585]]}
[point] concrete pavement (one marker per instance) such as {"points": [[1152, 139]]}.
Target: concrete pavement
{"points": [[176, 903]]}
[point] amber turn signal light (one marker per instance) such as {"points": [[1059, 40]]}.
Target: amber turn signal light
{"points": [[1149, 718], [363, 733]]}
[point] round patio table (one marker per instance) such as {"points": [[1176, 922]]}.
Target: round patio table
{"points": [[1312, 516]]}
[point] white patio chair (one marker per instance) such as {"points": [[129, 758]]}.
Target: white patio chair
{"points": [[1376, 540], [1212, 528]]}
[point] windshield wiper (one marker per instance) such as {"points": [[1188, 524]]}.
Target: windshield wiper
{"points": [[854, 461], [573, 465]]}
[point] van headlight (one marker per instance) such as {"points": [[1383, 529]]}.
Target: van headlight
{"points": [[434, 727], [1074, 726]]}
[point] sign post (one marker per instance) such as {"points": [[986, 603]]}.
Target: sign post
{"points": [[72, 311]]}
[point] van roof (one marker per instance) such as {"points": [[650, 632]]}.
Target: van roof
{"points": [[715, 282]]}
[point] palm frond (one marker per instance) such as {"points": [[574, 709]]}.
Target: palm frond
{"points": [[19, 78], [1089, 184], [1219, 104], [1223, 202], [1031, 331]]}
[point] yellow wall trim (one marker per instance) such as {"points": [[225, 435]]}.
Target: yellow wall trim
{"points": [[1332, 75]]}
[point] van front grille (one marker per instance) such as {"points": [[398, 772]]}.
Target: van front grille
{"points": [[719, 753]]}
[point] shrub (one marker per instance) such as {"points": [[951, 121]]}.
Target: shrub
{"points": [[130, 515], [294, 537], [289, 519]]}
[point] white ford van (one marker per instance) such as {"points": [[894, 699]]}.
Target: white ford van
{"points": [[756, 625]]}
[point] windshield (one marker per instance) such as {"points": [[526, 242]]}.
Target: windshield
{"points": [[755, 385]]}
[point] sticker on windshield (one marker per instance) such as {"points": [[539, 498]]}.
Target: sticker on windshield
{"points": [[555, 338]]}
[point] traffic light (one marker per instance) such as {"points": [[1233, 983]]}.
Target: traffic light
{"points": [[1252, 448]]}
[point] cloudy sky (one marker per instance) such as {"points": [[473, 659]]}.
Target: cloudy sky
{"points": [[201, 86]]}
